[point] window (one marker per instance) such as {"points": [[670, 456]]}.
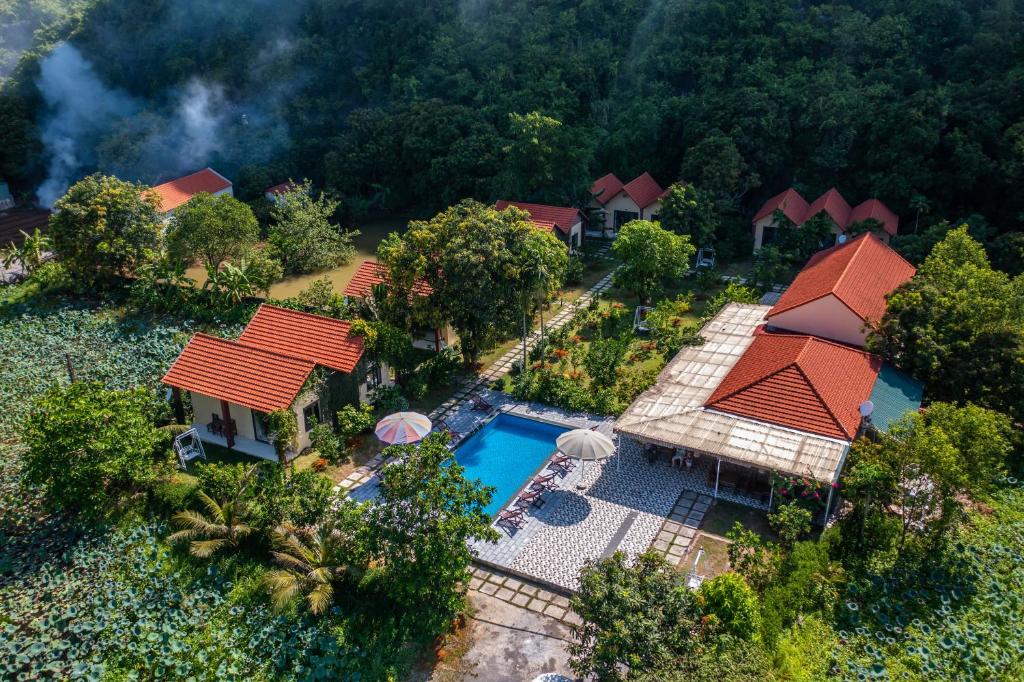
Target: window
{"points": [[260, 427], [311, 415], [374, 376], [655, 217], [623, 217]]}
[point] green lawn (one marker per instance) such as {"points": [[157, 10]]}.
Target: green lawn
{"points": [[720, 519]]}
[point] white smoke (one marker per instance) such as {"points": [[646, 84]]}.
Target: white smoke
{"points": [[79, 105], [92, 126]]}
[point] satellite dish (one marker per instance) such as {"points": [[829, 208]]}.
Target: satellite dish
{"points": [[841, 240], [866, 408]]}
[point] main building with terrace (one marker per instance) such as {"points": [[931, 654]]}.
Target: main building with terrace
{"points": [[780, 392]]}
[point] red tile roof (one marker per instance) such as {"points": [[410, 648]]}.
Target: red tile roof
{"points": [[370, 274], [238, 373], [283, 188], [833, 203], [546, 217], [643, 190], [314, 338], [860, 273], [176, 192], [800, 382], [876, 210], [604, 188], [789, 202]]}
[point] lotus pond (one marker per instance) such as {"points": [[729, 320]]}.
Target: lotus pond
{"points": [[964, 621]]}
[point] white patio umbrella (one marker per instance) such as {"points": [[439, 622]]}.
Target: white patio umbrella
{"points": [[585, 445], [403, 427]]}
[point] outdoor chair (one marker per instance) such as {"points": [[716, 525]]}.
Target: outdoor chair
{"points": [[512, 517], [445, 426], [561, 463], [479, 403], [530, 498], [546, 482]]}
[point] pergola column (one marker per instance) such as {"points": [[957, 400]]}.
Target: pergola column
{"points": [[828, 501], [718, 471], [229, 434], [771, 490]]}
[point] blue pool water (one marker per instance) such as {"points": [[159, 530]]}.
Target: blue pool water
{"points": [[506, 452]]}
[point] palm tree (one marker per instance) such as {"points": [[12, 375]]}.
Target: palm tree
{"points": [[221, 527], [312, 561], [32, 253]]}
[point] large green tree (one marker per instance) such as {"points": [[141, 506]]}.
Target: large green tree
{"points": [[638, 616], [91, 448], [104, 227], [301, 234], [419, 526], [650, 255], [685, 209], [485, 266], [958, 326], [213, 229]]}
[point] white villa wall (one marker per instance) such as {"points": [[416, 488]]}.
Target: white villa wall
{"points": [[769, 221], [651, 211], [203, 406], [827, 317], [620, 202]]}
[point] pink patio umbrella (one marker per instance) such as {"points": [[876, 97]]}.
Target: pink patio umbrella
{"points": [[403, 427]]}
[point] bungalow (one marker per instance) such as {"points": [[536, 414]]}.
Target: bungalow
{"points": [[796, 209], [616, 204], [284, 359], [841, 291], [174, 193], [750, 405], [371, 274], [271, 193], [564, 222]]}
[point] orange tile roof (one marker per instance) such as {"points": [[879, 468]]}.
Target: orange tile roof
{"points": [[789, 202], [800, 382], [876, 210], [546, 217], [832, 203], [371, 273], [604, 188], [176, 192], [314, 338], [644, 190], [282, 188], [238, 373], [860, 273]]}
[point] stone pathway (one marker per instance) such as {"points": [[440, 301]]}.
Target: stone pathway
{"points": [[677, 534], [524, 593], [453, 410]]}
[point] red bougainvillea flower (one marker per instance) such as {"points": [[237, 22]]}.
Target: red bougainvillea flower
{"points": [[561, 353]]}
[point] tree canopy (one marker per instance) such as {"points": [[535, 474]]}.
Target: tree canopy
{"points": [[650, 256], [484, 265], [104, 227], [958, 326], [211, 228]]}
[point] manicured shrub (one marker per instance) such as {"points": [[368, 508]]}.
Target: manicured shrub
{"points": [[733, 605]]}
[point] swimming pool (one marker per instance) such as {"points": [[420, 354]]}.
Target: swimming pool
{"points": [[505, 452]]}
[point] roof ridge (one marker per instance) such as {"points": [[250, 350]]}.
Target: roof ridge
{"points": [[821, 400], [301, 312], [248, 346]]}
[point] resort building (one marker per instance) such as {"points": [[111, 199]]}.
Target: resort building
{"points": [[797, 211], [614, 204], [174, 193], [272, 193], [283, 360], [842, 291], [564, 222], [370, 275], [749, 406]]}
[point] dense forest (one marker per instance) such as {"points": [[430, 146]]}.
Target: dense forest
{"points": [[411, 105]]}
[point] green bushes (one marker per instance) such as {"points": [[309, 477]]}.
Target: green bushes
{"points": [[732, 605], [91, 448]]}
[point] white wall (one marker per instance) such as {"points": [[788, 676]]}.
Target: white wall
{"points": [[827, 317], [769, 221], [620, 202], [203, 406], [653, 210]]}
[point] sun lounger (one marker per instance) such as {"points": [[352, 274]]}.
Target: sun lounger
{"points": [[479, 403], [512, 517], [530, 497], [561, 462], [546, 482]]}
